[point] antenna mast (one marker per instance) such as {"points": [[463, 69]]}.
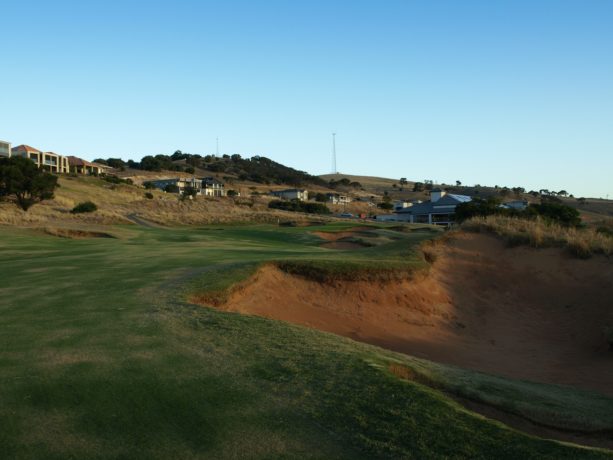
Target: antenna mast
{"points": [[334, 153]]}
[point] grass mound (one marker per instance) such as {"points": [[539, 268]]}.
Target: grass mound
{"points": [[101, 357], [537, 233]]}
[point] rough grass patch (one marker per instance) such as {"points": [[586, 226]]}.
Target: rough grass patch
{"points": [[83, 207], [580, 242]]}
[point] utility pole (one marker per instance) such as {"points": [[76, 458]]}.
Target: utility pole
{"points": [[334, 153]]}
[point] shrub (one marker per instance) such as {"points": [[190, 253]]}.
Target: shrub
{"points": [[232, 193], [148, 185], [85, 206], [111, 178], [171, 188], [149, 195], [299, 206]]}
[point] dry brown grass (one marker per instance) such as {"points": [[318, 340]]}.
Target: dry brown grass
{"points": [[116, 201], [581, 242]]}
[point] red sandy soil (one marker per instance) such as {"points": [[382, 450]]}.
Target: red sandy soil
{"points": [[522, 313]]}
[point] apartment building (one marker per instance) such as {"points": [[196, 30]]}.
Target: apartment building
{"points": [[48, 161], [5, 149]]}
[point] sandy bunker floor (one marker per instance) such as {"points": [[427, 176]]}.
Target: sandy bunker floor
{"points": [[522, 313]]}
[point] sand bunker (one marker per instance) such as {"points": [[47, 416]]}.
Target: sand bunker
{"points": [[521, 313], [350, 239], [76, 234]]}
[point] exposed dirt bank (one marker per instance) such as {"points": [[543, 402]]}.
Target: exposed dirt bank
{"points": [[75, 233], [522, 313]]}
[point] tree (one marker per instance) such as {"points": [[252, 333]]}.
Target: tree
{"points": [[171, 188], [189, 192], [458, 183], [418, 187], [477, 207], [150, 163], [116, 163], [403, 181], [21, 178]]}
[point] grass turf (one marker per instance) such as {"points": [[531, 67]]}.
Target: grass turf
{"points": [[101, 357]]}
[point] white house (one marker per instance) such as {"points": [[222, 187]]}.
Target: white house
{"points": [[292, 194], [440, 210], [212, 187], [5, 149], [180, 182], [336, 198]]}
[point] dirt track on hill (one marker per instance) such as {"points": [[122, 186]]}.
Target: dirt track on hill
{"points": [[521, 313]]}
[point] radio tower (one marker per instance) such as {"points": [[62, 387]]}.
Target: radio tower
{"points": [[216, 146], [334, 153]]}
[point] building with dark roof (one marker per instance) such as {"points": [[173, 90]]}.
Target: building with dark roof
{"points": [[80, 166], [440, 210]]}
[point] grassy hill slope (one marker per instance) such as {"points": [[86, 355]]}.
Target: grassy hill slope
{"points": [[101, 356]]}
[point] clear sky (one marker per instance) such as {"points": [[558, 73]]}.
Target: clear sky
{"points": [[516, 93]]}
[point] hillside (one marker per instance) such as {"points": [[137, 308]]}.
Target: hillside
{"points": [[117, 203], [592, 209], [103, 355]]}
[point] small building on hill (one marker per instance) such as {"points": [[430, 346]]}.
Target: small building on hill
{"points": [[291, 194], [178, 184], [212, 187], [440, 210], [5, 149], [80, 166], [518, 205], [336, 198]]}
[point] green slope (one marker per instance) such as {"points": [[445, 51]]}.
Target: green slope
{"points": [[101, 356]]}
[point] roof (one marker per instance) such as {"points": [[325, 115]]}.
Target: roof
{"points": [[25, 148], [76, 161], [452, 199], [210, 181], [428, 207]]}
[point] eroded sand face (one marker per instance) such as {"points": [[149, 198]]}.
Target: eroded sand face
{"points": [[522, 313]]}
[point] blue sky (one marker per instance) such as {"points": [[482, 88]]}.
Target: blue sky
{"points": [[516, 93]]}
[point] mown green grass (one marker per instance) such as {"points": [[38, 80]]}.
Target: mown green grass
{"points": [[102, 357]]}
